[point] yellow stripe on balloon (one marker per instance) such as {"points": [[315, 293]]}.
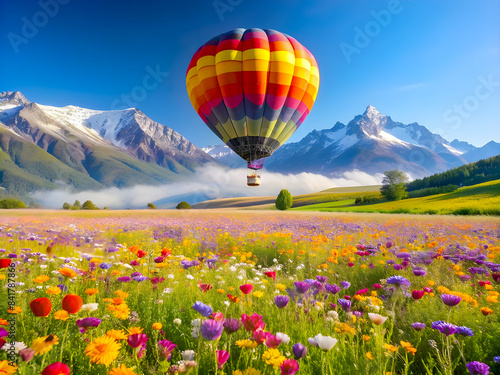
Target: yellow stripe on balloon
{"points": [[229, 129], [228, 67], [256, 54], [303, 63], [284, 56], [205, 61], [228, 55], [256, 65]]}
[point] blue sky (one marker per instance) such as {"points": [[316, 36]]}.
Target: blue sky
{"points": [[432, 62]]}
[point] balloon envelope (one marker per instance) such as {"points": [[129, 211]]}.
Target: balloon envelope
{"points": [[253, 88]]}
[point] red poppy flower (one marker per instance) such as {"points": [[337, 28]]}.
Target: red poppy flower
{"points": [[72, 303], [141, 253], [2, 342], [233, 298], [57, 368], [165, 252], [41, 306], [205, 287], [271, 274], [483, 283], [246, 288], [417, 294], [4, 263]]}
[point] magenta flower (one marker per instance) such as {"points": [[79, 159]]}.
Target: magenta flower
{"points": [[85, 323], [211, 329], [450, 299], [231, 325], [253, 322], [289, 367], [165, 348], [478, 368], [272, 341], [260, 336], [222, 357], [137, 339]]}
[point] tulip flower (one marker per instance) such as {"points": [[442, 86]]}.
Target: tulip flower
{"points": [[5, 263], [299, 350], [72, 303], [450, 300], [222, 357], [377, 318], [417, 294], [57, 368], [246, 288], [271, 274], [41, 306], [289, 367]]}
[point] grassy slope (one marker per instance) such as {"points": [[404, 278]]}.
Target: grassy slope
{"points": [[485, 196]]}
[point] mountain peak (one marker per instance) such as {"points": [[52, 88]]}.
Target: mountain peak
{"points": [[372, 113], [16, 97]]}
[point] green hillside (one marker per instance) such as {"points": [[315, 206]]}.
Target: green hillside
{"points": [[335, 195], [478, 199]]}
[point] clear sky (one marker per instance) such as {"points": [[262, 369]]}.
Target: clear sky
{"points": [[432, 62]]}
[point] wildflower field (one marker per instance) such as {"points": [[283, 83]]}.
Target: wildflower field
{"points": [[248, 293]]}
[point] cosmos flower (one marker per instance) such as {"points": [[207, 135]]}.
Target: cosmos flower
{"points": [[85, 323], [137, 339], [398, 280], [204, 310], [445, 328], [253, 322], [345, 304], [418, 326], [464, 331], [231, 325]]}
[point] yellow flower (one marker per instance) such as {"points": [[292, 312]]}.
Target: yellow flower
{"points": [[7, 369], [430, 283], [103, 350], [121, 294], [248, 371], [221, 291], [67, 272], [408, 347], [257, 294], [2, 277], [14, 310], [157, 326], [122, 370], [369, 355], [121, 311], [117, 334], [115, 272], [366, 338], [246, 343], [486, 311], [61, 315], [281, 287], [41, 279], [390, 348], [492, 299], [91, 291], [133, 330], [273, 357], [42, 345], [55, 290]]}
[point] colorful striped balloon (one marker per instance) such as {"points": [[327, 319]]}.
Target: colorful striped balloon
{"points": [[253, 88]]}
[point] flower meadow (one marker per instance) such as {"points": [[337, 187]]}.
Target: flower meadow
{"points": [[248, 293]]}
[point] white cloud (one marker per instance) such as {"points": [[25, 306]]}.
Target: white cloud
{"points": [[207, 183]]}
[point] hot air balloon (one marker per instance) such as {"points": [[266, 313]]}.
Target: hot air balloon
{"points": [[253, 88]]}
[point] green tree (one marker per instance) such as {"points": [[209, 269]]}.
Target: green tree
{"points": [[66, 206], [77, 205], [284, 201], [183, 206], [88, 205], [393, 185], [151, 206], [11, 203]]}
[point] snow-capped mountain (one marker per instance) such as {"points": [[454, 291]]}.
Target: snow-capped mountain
{"points": [[225, 155], [371, 142], [87, 148]]}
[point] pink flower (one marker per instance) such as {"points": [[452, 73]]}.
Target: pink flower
{"points": [[289, 367], [260, 336], [222, 357], [271, 274], [272, 341], [246, 288], [417, 294], [252, 323]]}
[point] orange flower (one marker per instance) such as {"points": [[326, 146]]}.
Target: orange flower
{"points": [[55, 290], [72, 303], [133, 330], [91, 291], [61, 315], [157, 326], [486, 311], [41, 279], [121, 294], [366, 338], [41, 306], [3, 322], [67, 272], [14, 310]]}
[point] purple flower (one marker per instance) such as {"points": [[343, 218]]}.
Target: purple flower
{"points": [[281, 301], [464, 331], [465, 278], [436, 323], [358, 314], [322, 279], [450, 299], [496, 359], [398, 267], [345, 284], [124, 279], [231, 325], [158, 259], [446, 328], [105, 266], [419, 271], [211, 329], [478, 368], [204, 310], [398, 280], [344, 303], [85, 323], [3, 332], [418, 326], [299, 350], [477, 271], [301, 286], [334, 289]]}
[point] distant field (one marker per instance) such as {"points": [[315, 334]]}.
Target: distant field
{"points": [[352, 189], [235, 202], [478, 199], [335, 195]]}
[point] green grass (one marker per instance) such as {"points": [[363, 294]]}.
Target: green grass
{"points": [[477, 199], [328, 196]]}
